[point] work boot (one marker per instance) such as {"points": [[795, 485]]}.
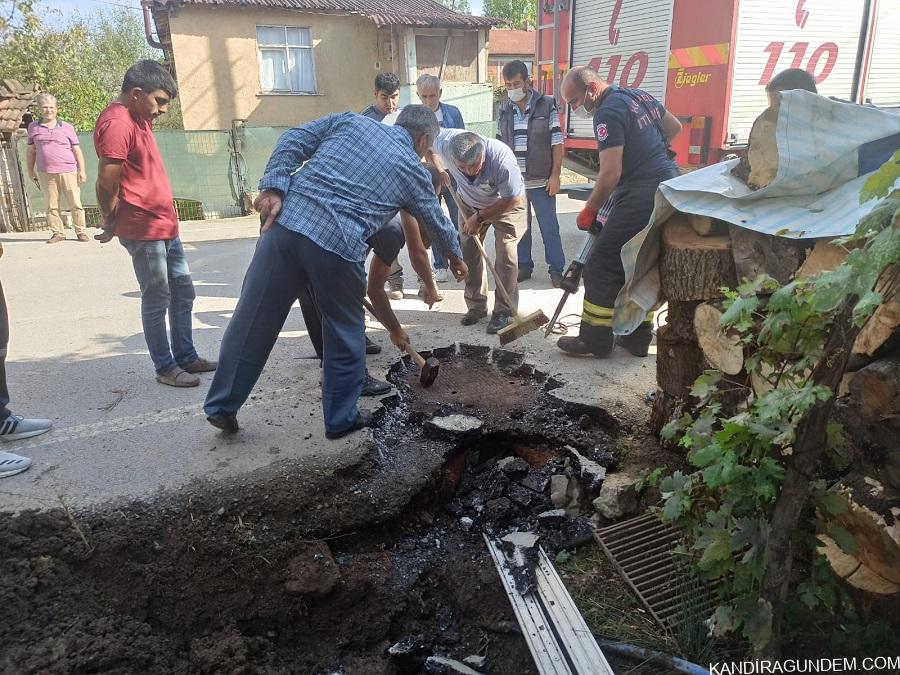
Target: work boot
{"points": [[55, 239], [363, 419], [573, 344], [373, 387], [556, 278], [11, 464], [638, 343], [524, 274], [395, 287], [371, 347], [472, 317], [200, 366], [227, 422], [17, 427], [498, 320]]}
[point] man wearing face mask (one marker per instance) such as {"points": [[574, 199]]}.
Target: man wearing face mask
{"points": [[354, 174], [491, 192], [529, 124], [633, 132]]}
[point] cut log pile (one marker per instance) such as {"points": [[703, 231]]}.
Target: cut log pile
{"points": [[699, 257]]}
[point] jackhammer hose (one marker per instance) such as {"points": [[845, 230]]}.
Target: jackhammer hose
{"points": [[651, 656]]}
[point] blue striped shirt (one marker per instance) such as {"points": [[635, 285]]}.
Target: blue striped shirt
{"points": [[344, 175]]}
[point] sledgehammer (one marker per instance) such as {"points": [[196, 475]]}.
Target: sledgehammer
{"points": [[428, 368]]}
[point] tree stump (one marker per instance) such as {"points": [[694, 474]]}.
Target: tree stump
{"points": [[706, 226], [882, 325], [762, 150], [872, 520], [693, 267], [876, 389], [722, 350], [756, 253], [679, 360]]}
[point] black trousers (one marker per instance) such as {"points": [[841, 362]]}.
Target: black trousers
{"points": [[604, 276]]}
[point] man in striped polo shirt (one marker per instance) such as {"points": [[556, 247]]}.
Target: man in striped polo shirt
{"points": [[529, 124]]}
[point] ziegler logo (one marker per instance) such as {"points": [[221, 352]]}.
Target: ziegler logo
{"points": [[800, 14], [684, 80], [613, 30]]}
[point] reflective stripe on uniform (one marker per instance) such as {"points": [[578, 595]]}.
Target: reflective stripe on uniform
{"points": [[595, 315]]}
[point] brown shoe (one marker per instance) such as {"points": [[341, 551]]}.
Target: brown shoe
{"points": [[55, 239], [82, 236], [178, 378], [200, 366]]}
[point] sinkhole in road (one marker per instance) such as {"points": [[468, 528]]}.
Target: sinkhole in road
{"points": [[370, 569]]}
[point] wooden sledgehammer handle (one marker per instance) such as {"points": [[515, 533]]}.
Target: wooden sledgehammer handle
{"points": [[415, 356]]}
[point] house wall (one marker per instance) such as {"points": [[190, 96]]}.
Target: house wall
{"points": [[217, 64]]}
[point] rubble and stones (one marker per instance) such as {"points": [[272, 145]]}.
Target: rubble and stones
{"points": [[618, 496]]}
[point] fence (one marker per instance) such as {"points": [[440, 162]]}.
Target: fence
{"points": [[211, 172]]}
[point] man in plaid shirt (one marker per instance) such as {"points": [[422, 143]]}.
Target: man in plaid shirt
{"points": [[328, 187]]}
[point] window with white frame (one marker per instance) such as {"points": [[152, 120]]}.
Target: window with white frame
{"points": [[286, 59]]}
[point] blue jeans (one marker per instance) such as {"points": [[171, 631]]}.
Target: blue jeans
{"points": [[440, 262], [166, 287], [545, 210], [285, 265]]}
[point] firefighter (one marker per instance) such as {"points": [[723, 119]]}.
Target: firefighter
{"points": [[633, 132]]}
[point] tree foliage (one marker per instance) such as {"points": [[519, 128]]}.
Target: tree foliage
{"points": [[461, 6], [517, 12], [729, 503], [80, 60]]}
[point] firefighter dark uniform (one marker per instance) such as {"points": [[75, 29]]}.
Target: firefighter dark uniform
{"points": [[629, 118]]}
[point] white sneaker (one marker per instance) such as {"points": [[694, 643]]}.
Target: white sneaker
{"points": [[11, 464], [16, 427], [441, 276]]}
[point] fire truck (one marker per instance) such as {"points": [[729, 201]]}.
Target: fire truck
{"points": [[708, 61]]}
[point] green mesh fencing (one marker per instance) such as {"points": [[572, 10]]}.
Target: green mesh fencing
{"points": [[207, 176]]}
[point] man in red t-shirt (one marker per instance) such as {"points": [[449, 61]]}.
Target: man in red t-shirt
{"points": [[136, 203]]}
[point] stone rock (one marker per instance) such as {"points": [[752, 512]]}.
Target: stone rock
{"points": [[520, 495], [551, 518], [312, 571], [439, 665], [559, 486], [499, 511], [514, 467], [475, 661], [466, 523], [536, 481], [457, 424], [617, 497], [409, 653], [591, 473]]}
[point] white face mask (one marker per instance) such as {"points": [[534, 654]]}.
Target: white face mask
{"points": [[515, 95]]}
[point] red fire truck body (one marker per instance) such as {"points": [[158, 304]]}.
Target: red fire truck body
{"points": [[709, 60]]}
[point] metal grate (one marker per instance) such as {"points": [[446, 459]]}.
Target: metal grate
{"points": [[641, 549]]}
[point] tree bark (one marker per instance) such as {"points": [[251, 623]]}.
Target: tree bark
{"points": [[800, 470], [876, 389], [693, 267], [756, 253], [679, 360]]}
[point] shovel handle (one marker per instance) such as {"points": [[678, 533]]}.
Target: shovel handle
{"points": [[499, 285], [415, 356]]}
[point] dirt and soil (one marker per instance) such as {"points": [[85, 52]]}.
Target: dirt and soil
{"points": [[316, 571]]}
